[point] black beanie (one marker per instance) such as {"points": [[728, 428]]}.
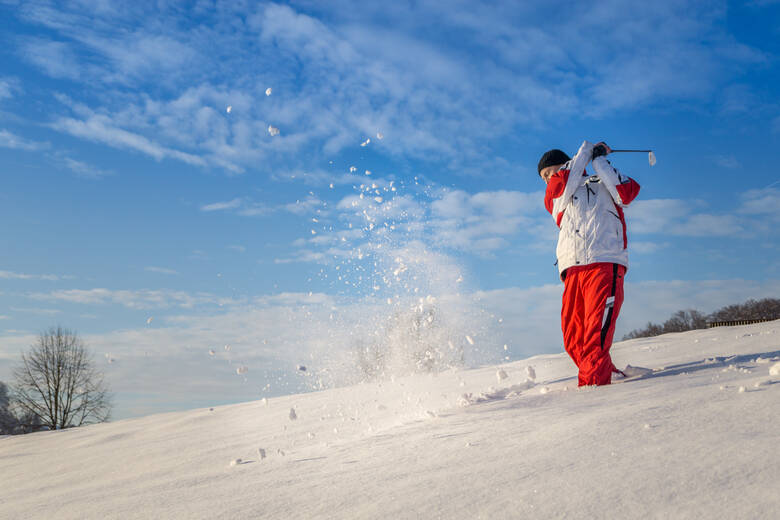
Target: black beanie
{"points": [[552, 158]]}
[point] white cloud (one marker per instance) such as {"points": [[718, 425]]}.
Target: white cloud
{"points": [[360, 74], [10, 140], [84, 170], [36, 310], [7, 87], [100, 128], [648, 247], [727, 161], [220, 206], [135, 299], [677, 217], [55, 58], [707, 225], [10, 275], [761, 202], [161, 270]]}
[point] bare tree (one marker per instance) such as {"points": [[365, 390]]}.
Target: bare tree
{"points": [[58, 383], [7, 418]]}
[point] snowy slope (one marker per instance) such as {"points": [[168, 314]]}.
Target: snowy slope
{"points": [[697, 439]]}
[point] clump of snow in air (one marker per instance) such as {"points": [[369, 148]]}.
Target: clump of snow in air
{"points": [[352, 169], [242, 370], [651, 158], [229, 109], [273, 130], [293, 415], [211, 352], [774, 370], [364, 143], [227, 348], [149, 320], [268, 91], [380, 136]]}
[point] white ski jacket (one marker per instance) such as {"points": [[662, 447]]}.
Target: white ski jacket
{"points": [[588, 209]]}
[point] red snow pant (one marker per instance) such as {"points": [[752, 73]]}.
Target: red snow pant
{"points": [[592, 297]]}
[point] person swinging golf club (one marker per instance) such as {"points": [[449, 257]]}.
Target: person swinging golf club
{"points": [[592, 252]]}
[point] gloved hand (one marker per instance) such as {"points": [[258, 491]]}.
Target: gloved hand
{"points": [[599, 150]]}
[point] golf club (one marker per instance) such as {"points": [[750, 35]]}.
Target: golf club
{"points": [[650, 155]]}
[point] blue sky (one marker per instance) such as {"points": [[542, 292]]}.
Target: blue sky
{"points": [[129, 191]]}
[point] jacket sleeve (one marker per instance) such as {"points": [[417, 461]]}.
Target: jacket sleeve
{"points": [[622, 188], [571, 179], [555, 187]]}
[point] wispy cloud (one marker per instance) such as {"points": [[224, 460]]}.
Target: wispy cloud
{"points": [[727, 161], [360, 74], [100, 128], [10, 140], [221, 206], [55, 58], [10, 275], [679, 217], [7, 87], [135, 299], [161, 270], [84, 170], [36, 310]]}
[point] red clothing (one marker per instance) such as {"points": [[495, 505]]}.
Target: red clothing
{"points": [[592, 297]]}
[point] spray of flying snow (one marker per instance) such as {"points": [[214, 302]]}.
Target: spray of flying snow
{"points": [[268, 91], [399, 307], [273, 130], [229, 109]]}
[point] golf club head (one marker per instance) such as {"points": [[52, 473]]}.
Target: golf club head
{"points": [[651, 158]]}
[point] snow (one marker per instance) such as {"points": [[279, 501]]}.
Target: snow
{"points": [[456, 444], [775, 370], [273, 130], [268, 91]]}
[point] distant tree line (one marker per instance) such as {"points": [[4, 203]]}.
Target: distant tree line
{"points": [[690, 319], [56, 386]]}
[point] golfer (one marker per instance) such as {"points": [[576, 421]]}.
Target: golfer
{"points": [[592, 252]]}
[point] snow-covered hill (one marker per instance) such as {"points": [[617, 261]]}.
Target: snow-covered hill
{"points": [[697, 439]]}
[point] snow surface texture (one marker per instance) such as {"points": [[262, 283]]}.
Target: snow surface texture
{"points": [[697, 438]]}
